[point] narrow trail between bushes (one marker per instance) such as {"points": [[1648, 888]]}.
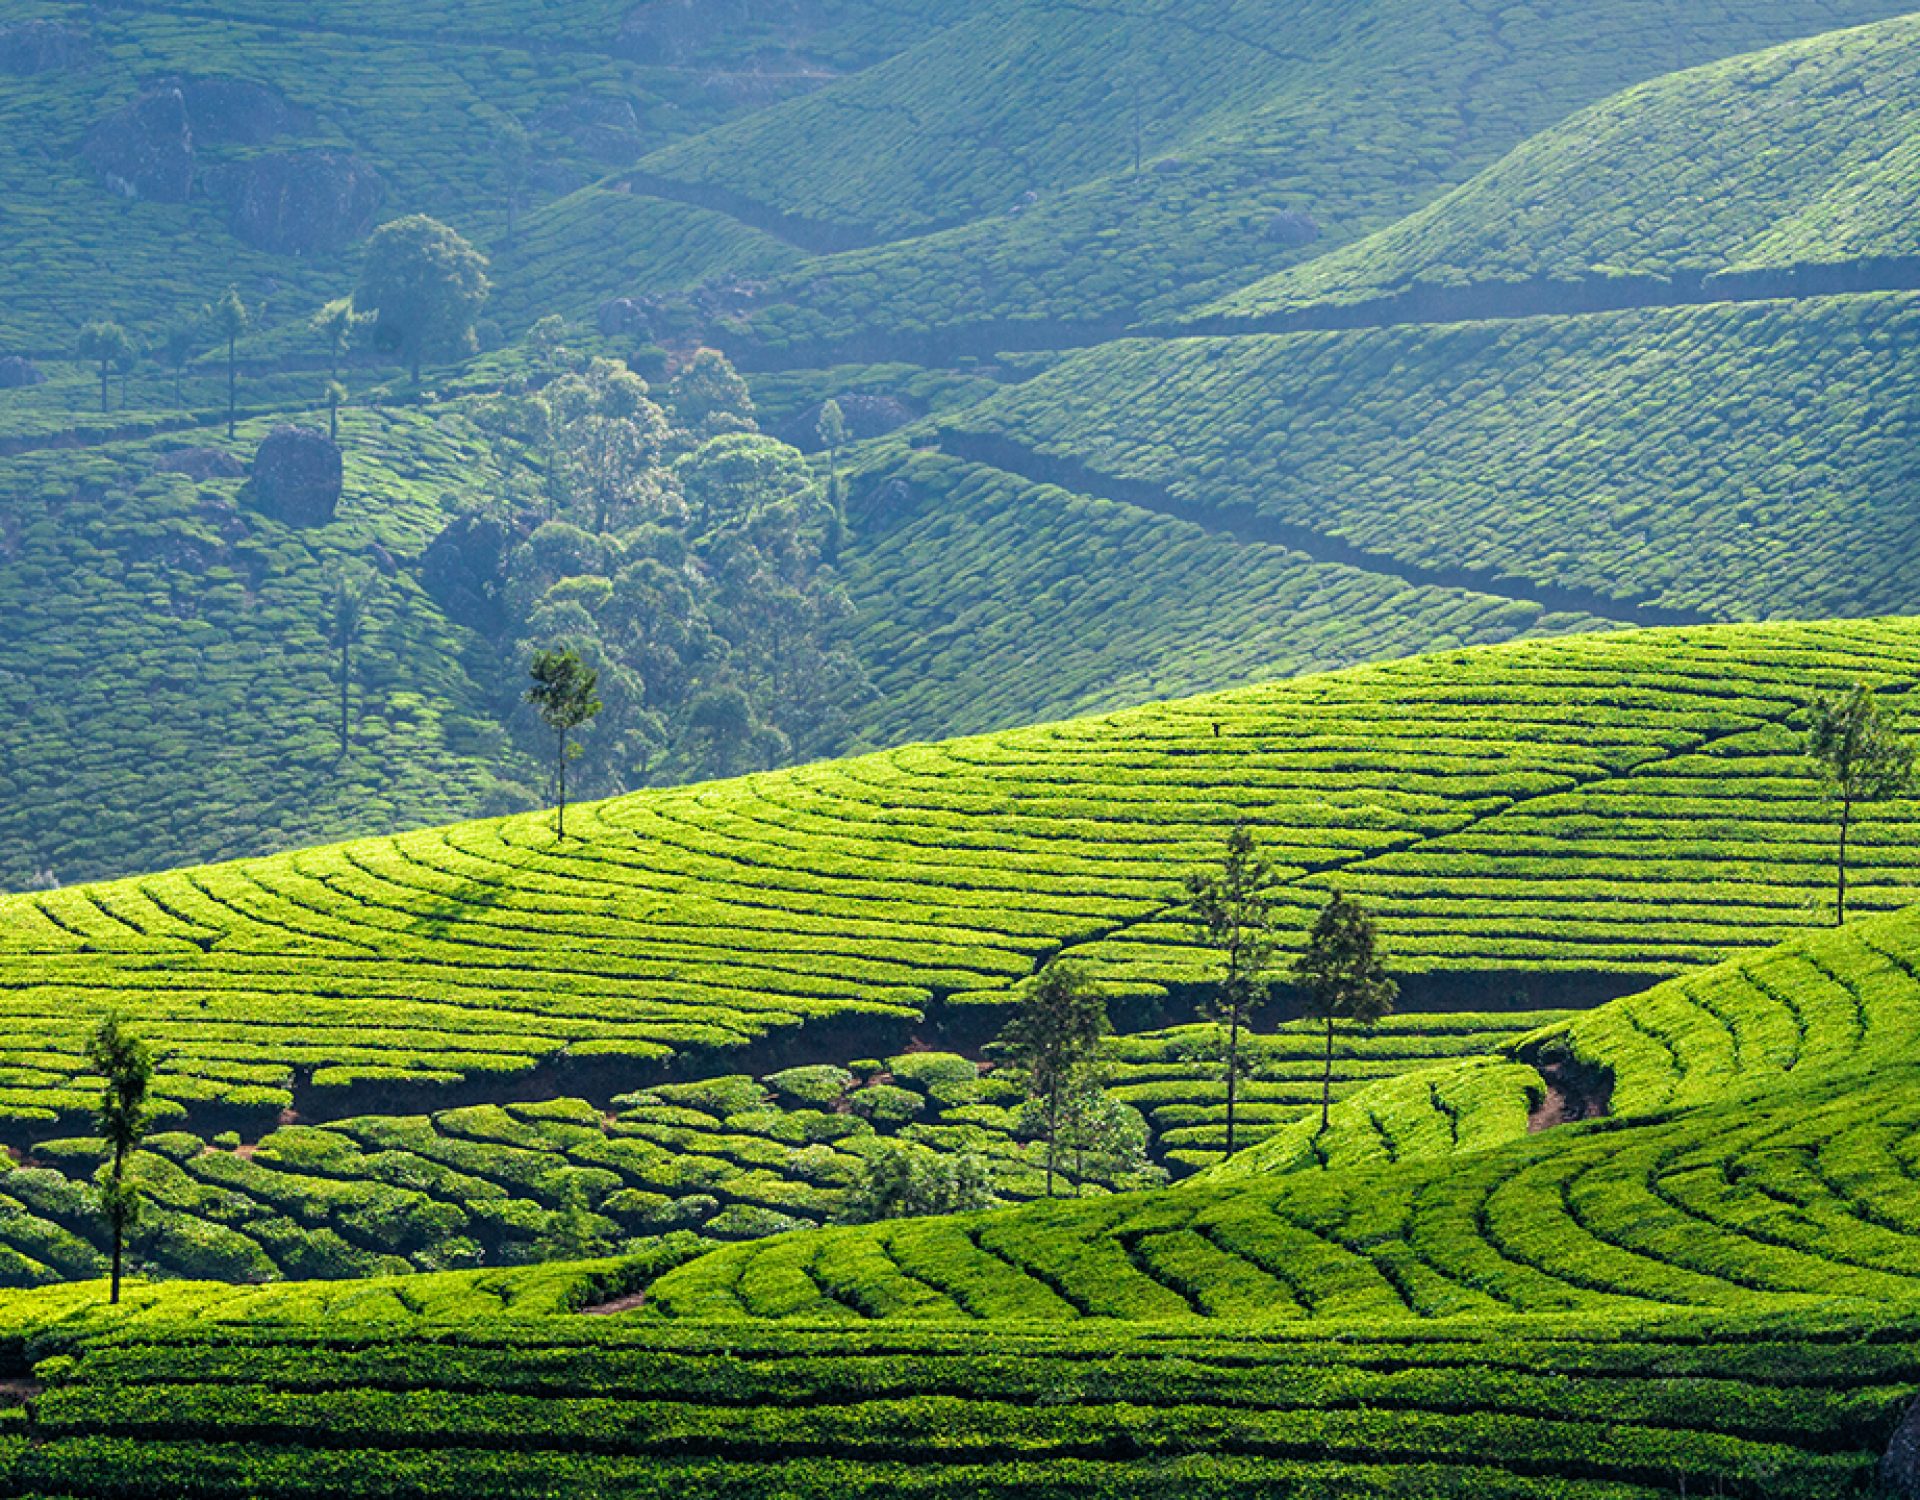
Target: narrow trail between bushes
{"points": [[990, 450]]}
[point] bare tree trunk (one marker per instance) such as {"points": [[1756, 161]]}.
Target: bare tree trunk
{"points": [[1233, 1066], [1840, 901], [1326, 1079], [233, 381], [560, 780], [1053, 1135], [103, 387]]}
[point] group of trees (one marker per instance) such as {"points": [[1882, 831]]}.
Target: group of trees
{"points": [[421, 288], [681, 556], [112, 350]]}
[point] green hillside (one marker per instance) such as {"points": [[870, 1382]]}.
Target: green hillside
{"points": [[1729, 461], [729, 1157], [1714, 1287], [1799, 157], [1031, 175], [1633, 803]]}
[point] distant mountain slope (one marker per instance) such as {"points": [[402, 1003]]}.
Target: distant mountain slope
{"points": [[1729, 461], [994, 166], [1788, 160], [1633, 802]]}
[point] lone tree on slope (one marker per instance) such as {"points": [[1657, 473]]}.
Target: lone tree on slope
{"points": [[831, 429], [106, 345], [425, 285], [565, 693], [1343, 979], [230, 320], [351, 591], [1233, 908], [123, 1061], [1050, 1043], [1861, 759]]}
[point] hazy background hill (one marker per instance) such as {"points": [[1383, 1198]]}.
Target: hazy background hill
{"points": [[1441, 395]]}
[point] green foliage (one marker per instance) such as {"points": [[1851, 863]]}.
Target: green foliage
{"points": [[1861, 758], [565, 694], [1342, 978], [424, 285], [1234, 909], [904, 1181]]}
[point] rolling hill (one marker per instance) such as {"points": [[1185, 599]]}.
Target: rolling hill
{"points": [[1712, 1287]]}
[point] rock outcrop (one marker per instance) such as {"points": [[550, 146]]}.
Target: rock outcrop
{"points": [[1900, 1466], [16, 370], [236, 111], [145, 149], [464, 571], [297, 476], [299, 202]]}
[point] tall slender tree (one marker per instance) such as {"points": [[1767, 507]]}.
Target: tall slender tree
{"points": [[1861, 758], [335, 323], [350, 591], [105, 344], [1233, 908], [123, 1061], [565, 693], [1343, 979], [513, 154], [230, 320], [831, 428], [1050, 1043], [177, 349]]}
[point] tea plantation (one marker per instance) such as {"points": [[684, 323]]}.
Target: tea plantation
{"points": [[1633, 803], [1728, 460], [1712, 1288], [1807, 148]]}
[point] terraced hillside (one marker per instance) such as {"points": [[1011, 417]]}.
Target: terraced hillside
{"points": [[1712, 1289], [1030, 177], [728, 1157], [1757, 1145], [1633, 804], [1780, 171], [1720, 461]]}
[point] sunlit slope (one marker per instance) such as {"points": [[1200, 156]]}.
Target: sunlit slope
{"points": [[1031, 173], [1745, 460], [1800, 156], [731, 1158], [1572, 1408], [1632, 802], [1793, 1176]]}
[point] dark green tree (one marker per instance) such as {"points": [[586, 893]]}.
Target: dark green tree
{"points": [[231, 319], [1861, 758], [336, 393], [424, 285], [1107, 1138], [905, 1180], [1233, 908], [565, 693], [1342, 978], [513, 155], [832, 432], [177, 349], [349, 593], [122, 1060], [1051, 1043], [104, 344]]}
